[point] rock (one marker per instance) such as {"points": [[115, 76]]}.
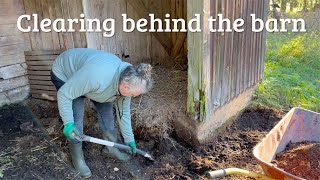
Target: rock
{"points": [[116, 169]]}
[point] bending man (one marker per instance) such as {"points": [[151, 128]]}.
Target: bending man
{"points": [[106, 80]]}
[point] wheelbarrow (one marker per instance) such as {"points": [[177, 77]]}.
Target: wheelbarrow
{"points": [[297, 126]]}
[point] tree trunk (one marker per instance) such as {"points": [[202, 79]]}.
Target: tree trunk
{"points": [[283, 6], [291, 6], [304, 5]]}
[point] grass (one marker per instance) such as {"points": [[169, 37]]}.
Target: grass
{"points": [[4, 162], [292, 72]]}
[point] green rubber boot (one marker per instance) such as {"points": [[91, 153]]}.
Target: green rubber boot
{"points": [[111, 151], [78, 159]]}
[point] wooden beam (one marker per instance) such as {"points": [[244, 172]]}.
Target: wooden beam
{"points": [[12, 49], [44, 92], [44, 78], [143, 12], [14, 95], [178, 44], [11, 59], [12, 71], [13, 83], [40, 82], [39, 63], [42, 87], [8, 19], [40, 73], [44, 52], [42, 57], [10, 40], [39, 68]]}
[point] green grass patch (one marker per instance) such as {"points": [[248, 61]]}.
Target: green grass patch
{"points": [[292, 72]]}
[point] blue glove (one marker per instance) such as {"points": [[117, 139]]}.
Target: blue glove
{"points": [[69, 129], [133, 146]]}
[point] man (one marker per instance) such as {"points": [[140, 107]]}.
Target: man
{"points": [[105, 80]]}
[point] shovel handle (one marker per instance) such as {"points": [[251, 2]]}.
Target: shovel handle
{"points": [[125, 147]]}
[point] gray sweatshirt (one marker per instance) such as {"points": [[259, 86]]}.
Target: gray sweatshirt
{"points": [[94, 74]]}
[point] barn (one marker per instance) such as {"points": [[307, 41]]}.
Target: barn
{"points": [[221, 69]]}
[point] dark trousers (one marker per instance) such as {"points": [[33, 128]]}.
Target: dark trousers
{"points": [[104, 110]]}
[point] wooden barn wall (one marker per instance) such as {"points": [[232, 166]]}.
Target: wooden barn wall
{"points": [[13, 79], [54, 9], [237, 59], [141, 47], [223, 65]]}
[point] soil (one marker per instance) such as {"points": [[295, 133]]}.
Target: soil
{"points": [[232, 148], [300, 159], [153, 115], [26, 151]]}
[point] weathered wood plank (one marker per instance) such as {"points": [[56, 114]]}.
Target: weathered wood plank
{"points": [[40, 82], [11, 40], [14, 95], [179, 44], [12, 71], [43, 92], [39, 68], [39, 63], [8, 19], [40, 73], [66, 39], [44, 52], [52, 14], [239, 49], [12, 49], [44, 78], [75, 8], [226, 66], [42, 87], [9, 29], [143, 12], [41, 57], [11, 7], [11, 59], [13, 83], [47, 44], [44, 96]]}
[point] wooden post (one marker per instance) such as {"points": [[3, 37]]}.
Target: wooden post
{"points": [[198, 59]]}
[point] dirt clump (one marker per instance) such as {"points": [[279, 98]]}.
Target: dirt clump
{"points": [[300, 159]]}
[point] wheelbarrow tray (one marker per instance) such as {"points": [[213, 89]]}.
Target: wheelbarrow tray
{"points": [[296, 126]]}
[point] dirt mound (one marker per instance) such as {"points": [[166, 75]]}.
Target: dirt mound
{"points": [[233, 147], [155, 111], [300, 159]]}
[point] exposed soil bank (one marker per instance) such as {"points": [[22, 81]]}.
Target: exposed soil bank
{"points": [[232, 148]]}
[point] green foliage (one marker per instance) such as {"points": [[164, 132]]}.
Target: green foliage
{"points": [[292, 72]]}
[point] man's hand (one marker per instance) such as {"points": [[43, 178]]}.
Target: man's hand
{"points": [[69, 129], [133, 146]]}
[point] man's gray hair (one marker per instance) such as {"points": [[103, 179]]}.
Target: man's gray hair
{"points": [[138, 76]]}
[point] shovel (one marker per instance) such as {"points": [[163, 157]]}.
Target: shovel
{"points": [[111, 144]]}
